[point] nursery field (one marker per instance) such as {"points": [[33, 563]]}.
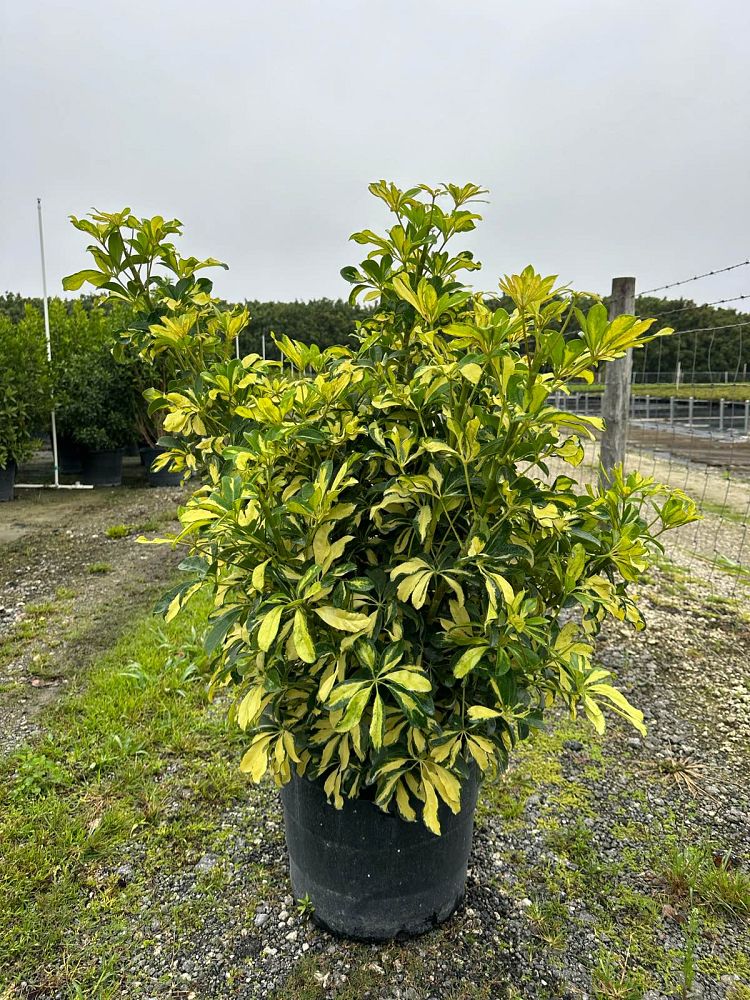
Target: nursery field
{"points": [[137, 861]]}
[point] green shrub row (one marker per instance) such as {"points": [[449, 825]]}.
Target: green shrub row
{"points": [[99, 399]]}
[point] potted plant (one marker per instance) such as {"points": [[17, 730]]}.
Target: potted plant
{"points": [[407, 575], [24, 395], [96, 410]]}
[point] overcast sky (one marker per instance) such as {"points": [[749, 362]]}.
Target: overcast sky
{"points": [[613, 135]]}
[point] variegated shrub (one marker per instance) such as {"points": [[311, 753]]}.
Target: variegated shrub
{"points": [[402, 584]]}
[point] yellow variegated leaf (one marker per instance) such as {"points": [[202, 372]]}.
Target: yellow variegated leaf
{"points": [[345, 621], [404, 806], [269, 627], [302, 638], [423, 521], [327, 682], [255, 760], [430, 811], [468, 660], [410, 679], [376, 725], [482, 712], [288, 741], [250, 706], [259, 575], [447, 784]]}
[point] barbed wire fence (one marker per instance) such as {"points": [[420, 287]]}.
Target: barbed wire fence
{"points": [[689, 427]]}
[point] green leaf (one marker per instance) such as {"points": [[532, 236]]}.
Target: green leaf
{"points": [[354, 710], [74, 281]]}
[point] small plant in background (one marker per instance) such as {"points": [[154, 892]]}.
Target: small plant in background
{"points": [[36, 774], [99, 568], [305, 907], [704, 876], [96, 398], [692, 934], [613, 977], [118, 531], [685, 772], [185, 662]]}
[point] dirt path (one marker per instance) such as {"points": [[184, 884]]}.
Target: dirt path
{"points": [[67, 589]]}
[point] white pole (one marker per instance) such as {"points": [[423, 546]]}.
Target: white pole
{"points": [[237, 348], [47, 335], [263, 344]]}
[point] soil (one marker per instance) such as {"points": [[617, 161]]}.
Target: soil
{"points": [[67, 589]]}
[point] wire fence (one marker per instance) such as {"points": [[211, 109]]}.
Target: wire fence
{"points": [[689, 427]]}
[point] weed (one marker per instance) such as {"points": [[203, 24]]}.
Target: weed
{"points": [[684, 771], [709, 877], [305, 906], [99, 567], [36, 774], [118, 531], [614, 979], [688, 961], [548, 919]]}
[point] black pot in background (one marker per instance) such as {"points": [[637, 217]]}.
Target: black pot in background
{"points": [[163, 477], [7, 480], [69, 456], [102, 468], [371, 875]]}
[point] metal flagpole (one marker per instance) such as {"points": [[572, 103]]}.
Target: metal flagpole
{"points": [[46, 334], [57, 484]]}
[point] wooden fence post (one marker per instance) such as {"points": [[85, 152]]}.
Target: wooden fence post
{"points": [[616, 396]]}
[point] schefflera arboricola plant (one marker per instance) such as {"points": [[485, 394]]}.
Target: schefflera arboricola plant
{"points": [[403, 583]]}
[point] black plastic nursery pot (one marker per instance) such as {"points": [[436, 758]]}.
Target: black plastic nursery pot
{"points": [[162, 477], [372, 875], [7, 481], [102, 468], [69, 456]]}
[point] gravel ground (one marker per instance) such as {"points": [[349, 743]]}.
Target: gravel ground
{"points": [[571, 891], [55, 613], [567, 895]]}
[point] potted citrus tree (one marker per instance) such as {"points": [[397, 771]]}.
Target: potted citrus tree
{"points": [[407, 575]]}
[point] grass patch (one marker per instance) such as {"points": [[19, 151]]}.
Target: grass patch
{"points": [[99, 568], [737, 391], [118, 531], [97, 784], [706, 877], [157, 521]]}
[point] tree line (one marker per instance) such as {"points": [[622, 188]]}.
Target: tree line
{"points": [[332, 321]]}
